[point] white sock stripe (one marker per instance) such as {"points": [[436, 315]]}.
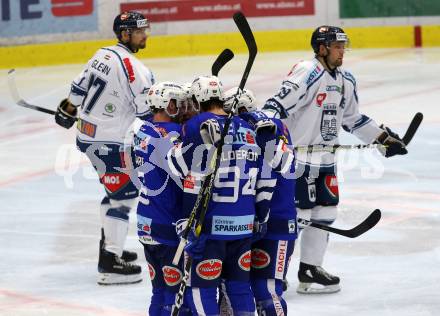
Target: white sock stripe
{"points": [[197, 299], [266, 183], [263, 196]]}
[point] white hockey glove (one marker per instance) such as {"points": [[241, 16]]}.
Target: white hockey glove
{"points": [[210, 132], [265, 125], [392, 142]]}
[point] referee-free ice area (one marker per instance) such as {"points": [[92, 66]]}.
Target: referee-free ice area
{"points": [[49, 214]]}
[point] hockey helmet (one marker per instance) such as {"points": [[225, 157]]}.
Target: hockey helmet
{"points": [[246, 100], [128, 21], [325, 35], [206, 88], [160, 95]]}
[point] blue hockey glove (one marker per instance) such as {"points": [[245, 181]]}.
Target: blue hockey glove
{"points": [[66, 114], [196, 245], [260, 228]]}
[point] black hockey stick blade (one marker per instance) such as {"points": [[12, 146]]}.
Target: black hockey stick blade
{"points": [[412, 129], [363, 227], [14, 93], [225, 56], [246, 32]]}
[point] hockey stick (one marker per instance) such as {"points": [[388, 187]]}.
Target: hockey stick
{"points": [[363, 227], [333, 148], [409, 134], [15, 95], [225, 56], [412, 129], [201, 204]]}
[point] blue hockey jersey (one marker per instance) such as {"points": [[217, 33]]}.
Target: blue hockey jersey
{"points": [[234, 201], [160, 195], [278, 152]]}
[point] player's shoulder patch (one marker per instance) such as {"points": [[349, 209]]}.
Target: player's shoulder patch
{"points": [[314, 70]]}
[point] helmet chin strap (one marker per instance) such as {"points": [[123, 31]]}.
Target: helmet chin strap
{"points": [[128, 45], [331, 70]]}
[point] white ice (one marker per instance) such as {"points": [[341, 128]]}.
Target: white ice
{"points": [[49, 219]]}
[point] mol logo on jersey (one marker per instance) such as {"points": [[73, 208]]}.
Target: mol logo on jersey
{"points": [[113, 182]]}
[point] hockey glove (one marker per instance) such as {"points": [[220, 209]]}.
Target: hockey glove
{"points": [[196, 245], [66, 114], [260, 228], [394, 145], [210, 132], [181, 225]]}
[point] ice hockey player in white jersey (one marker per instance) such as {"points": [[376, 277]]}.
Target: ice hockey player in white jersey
{"points": [[109, 94], [317, 98]]}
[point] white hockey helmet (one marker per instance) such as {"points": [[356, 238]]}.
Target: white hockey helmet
{"points": [[246, 101], [206, 88], [160, 95]]}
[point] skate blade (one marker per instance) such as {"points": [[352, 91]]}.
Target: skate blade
{"points": [[315, 288], [118, 279]]}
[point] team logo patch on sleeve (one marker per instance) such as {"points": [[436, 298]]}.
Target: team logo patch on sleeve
{"points": [[113, 182], [260, 258], [209, 269], [171, 275], [244, 262], [152, 272]]}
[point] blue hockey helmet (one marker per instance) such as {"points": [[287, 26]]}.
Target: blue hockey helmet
{"points": [[326, 34], [128, 21]]}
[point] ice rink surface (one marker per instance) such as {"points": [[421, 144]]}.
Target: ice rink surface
{"points": [[49, 218]]}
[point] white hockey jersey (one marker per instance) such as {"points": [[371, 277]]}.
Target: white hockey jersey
{"points": [[112, 92], [314, 105]]}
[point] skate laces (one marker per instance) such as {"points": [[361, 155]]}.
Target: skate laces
{"points": [[321, 271], [122, 262]]}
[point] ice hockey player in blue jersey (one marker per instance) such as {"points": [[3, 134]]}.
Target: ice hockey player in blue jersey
{"points": [[223, 250], [271, 254], [160, 197], [315, 100], [107, 96]]}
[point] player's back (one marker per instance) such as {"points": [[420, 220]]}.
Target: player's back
{"points": [[282, 167], [232, 207], [112, 92], [160, 196]]}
